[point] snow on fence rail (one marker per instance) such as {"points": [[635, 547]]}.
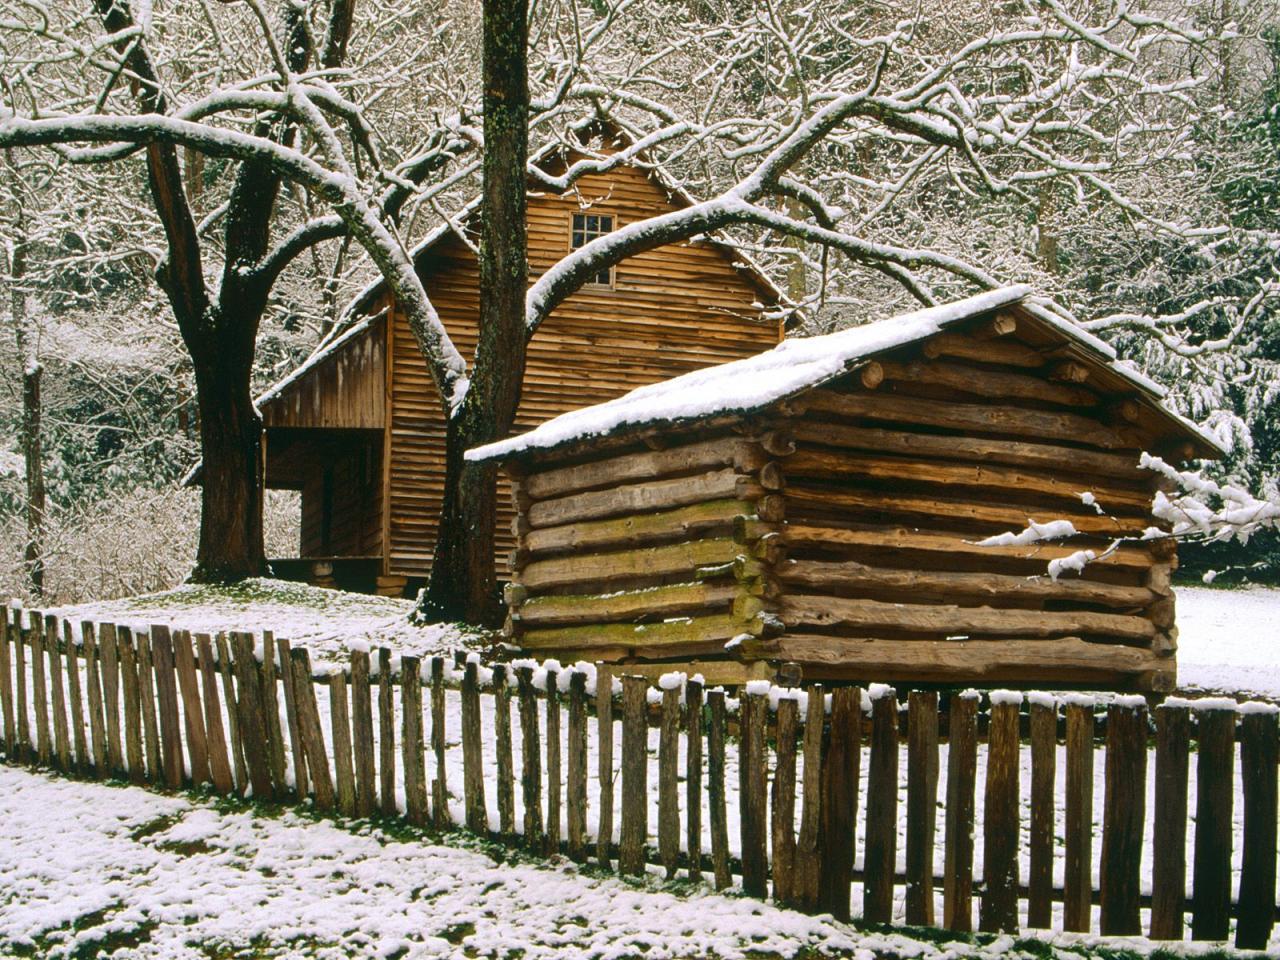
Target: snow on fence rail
{"points": [[163, 707]]}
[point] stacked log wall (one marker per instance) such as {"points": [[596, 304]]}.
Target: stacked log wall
{"points": [[655, 554], [901, 467]]}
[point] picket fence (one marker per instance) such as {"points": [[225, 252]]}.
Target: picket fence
{"points": [[174, 710]]}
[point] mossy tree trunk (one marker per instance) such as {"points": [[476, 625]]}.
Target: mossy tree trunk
{"points": [[463, 583]]}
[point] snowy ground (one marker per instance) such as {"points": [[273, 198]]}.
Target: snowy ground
{"points": [[125, 873], [323, 620], [1229, 641]]}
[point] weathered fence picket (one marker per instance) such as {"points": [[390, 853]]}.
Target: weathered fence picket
{"points": [[881, 846], [669, 781], [922, 800], [80, 749], [553, 762], [998, 909], [840, 763], [412, 743], [40, 689], [192, 713], [440, 783], [147, 702], [693, 776], [472, 756], [1258, 744], [131, 686], [1169, 830], [783, 823], [635, 777], [505, 764], [219, 761], [576, 782], [97, 724], [962, 771], [310, 731], [1211, 869], [362, 734], [604, 758], [167, 703], [715, 789], [1078, 842], [343, 766], [1124, 813], [233, 712], [1043, 727], [61, 740], [386, 735]]}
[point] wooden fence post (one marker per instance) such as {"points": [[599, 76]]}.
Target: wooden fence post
{"points": [[440, 784], [340, 724], [808, 856], [219, 761], [530, 760], [1169, 831], [167, 703], [296, 748], [226, 672], [715, 789], [415, 787], [577, 772], [1215, 789], [553, 762], [604, 757], [93, 679], [362, 734], [998, 910], [253, 725], [635, 776], [840, 766], [1044, 762], [309, 729], [1124, 812], [132, 704], [386, 735], [477, 814], [962, 764], [6, 689], [1077, 905], [192, 711], [784, 803], [1256, 914], [922, 804], [40, 689], [693, 776], [669, 781], [61, 740], [21, 646], [147, 703], [81, 750], [271, 713], [881, 849], [506, 766]]}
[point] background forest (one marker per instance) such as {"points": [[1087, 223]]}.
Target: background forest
{"points": [[1194, 308]]}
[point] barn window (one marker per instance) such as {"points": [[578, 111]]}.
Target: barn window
{"points": [[588, 227]]}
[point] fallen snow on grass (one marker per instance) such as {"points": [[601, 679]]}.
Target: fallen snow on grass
{"points": [[123, 872], [1229, 641], [325, 621]]}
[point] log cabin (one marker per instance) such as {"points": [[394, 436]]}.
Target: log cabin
{"points": [[358, 428], [860, 506]]}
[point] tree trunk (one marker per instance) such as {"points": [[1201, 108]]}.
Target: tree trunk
{"points": [[231, 545], [31, 429], [463, 583]]}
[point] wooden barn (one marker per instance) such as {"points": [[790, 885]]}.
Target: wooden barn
{"points": [[824, 504], [358, 428]]}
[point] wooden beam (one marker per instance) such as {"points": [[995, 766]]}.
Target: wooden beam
{"points": [[637, 529], [891, 537], [983, 449], [641, 497], [950, 619], [839, 578], [1063, 660], [988, 383], [713, 631], [983, 418], [628, 564], [689, 458], [1012, 353], [805, 500], [815, 464], [601, 608]]}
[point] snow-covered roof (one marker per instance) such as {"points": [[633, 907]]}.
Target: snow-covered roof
{"points": [[794, 366]]}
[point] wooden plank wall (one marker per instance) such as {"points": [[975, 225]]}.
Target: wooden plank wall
{"points": [[899, 468], [344, 390], [356, 498], [671, 310]]}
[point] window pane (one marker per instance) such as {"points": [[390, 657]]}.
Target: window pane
{"points": [[579, 221], [606, 224], [578, 239]]}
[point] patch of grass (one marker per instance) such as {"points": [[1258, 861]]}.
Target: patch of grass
{"points": [[152, 827], [184, 848]]}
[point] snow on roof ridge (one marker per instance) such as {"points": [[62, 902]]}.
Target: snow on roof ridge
{"points": [[744, 385]]}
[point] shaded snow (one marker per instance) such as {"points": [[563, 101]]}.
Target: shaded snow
{"points": [[328, 622]]}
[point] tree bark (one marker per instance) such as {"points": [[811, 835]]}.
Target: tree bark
{"points": [[463, 584], [32, 371]]}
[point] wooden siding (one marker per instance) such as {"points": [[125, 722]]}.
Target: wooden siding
{"points": [[671, 310], [344, 390], [345, 472]]}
